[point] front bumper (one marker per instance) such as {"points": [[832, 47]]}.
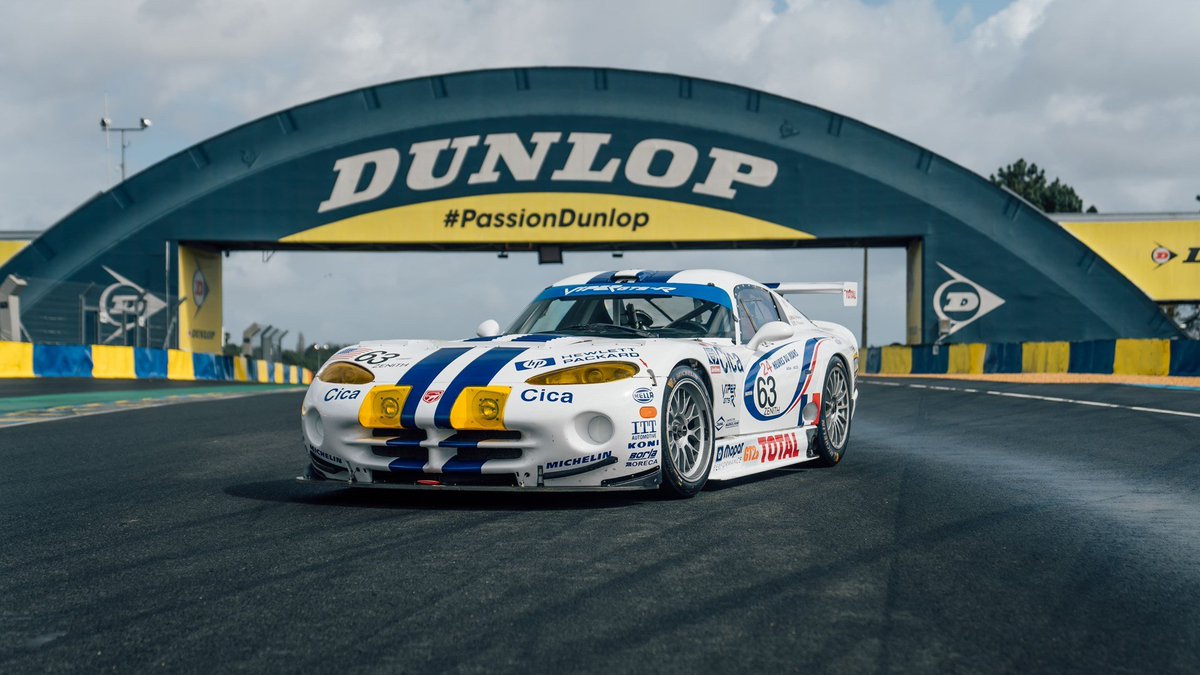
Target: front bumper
{"points": [[557, 438]]}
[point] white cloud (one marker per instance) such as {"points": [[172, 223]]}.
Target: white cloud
{"points": [[1100, 92]]}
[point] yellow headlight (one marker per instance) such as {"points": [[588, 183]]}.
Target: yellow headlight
{"points": [[592, 373], [381, 408], [480, 408], [345, 373]]}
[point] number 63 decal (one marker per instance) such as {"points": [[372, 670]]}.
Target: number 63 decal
{"points": [[765, 391]]}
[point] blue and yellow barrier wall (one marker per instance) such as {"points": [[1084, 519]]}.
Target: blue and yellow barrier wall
{"points": [[1108, 357], [22, 359]]}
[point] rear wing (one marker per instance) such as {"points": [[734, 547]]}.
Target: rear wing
{"points": [[848, 289]]}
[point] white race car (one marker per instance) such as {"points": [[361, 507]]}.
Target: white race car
{"points": [[634, 379]]}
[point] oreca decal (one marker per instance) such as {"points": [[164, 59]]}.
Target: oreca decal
{"points": [[526, 163], [767, 395]]}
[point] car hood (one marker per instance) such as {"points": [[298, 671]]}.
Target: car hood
{"points": [[503, 359]]}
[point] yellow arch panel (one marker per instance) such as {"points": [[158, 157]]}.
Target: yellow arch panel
{"points": [[561, 218]]}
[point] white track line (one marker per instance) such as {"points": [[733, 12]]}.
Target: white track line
{"points": [[150, 403], [1051, 399]]}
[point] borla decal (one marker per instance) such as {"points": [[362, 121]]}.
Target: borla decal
{"points": [[126, 305], [961, 301]]}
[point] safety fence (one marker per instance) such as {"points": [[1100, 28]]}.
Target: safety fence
{"points": [[1109, 357], [22, 359]]}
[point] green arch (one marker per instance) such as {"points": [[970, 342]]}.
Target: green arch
{"points": [[842, 181]]}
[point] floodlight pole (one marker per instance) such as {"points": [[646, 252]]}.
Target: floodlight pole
{"points": [[862, 296], [106, 126]]}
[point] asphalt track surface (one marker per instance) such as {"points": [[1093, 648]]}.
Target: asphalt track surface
{"points": [[964, 532]]}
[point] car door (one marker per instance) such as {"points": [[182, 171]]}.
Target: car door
{"points": [[771, 392]]}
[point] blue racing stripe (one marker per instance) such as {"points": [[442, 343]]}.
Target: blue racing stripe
{"points": [[478, 373], [488, 338], [541, 337], [421, 375], [656, 276], [406, 465], [457, 441], [402, 443], [602, 278], [456, 465]]}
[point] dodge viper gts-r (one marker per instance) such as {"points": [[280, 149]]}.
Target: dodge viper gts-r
{"points": [[616, 380]]}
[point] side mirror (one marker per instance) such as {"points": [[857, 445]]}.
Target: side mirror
{"points": [[773, 331], [488, 328]]}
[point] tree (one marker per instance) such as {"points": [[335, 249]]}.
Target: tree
{"points": [[1029, 181]]}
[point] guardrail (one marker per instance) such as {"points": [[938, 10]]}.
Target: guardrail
{"points": [[1107, 357], [22, 359]]}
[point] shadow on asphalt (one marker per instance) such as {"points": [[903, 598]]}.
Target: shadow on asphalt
{"points": [[718, 486], [289, 491]]}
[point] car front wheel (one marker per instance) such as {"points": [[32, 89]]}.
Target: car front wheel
{"points": [[833, 429], [687, 433]]}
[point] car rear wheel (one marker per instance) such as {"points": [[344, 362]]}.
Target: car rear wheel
{"points": [[833, 429], [687, 433]]}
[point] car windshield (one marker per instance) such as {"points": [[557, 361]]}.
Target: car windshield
{"points": [[626, 310]]}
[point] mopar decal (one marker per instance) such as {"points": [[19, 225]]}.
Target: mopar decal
{"points": [[729, 453]]}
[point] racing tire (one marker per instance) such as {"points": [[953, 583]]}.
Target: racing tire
{"points": [[687, 435], [833, 428]]}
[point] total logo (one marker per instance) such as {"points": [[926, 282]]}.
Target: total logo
{"points": [[962, 301], [336, 394], [779, 447], [643, 395], [1161, 255], [532, 364]]}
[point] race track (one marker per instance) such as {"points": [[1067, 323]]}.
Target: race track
{"points": [[964, 532]]}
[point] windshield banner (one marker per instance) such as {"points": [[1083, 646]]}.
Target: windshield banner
{"points": [[698, 291]]}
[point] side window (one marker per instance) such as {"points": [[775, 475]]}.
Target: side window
{"points": [[756, 308]]}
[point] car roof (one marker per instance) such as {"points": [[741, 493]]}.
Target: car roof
{"points": [[719, 278]]}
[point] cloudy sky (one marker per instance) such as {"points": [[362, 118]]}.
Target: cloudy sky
{"points": [[1103, 93]]}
